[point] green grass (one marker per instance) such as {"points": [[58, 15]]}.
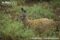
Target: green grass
{"points": [[16, 29], [37, 11]]}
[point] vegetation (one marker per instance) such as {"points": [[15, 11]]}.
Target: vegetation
{"points": [[12, 28]]}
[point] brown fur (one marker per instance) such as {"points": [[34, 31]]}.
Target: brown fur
{"points": [[42, 23]]}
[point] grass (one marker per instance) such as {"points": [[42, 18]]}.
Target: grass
{"points": [[12, 29], [15, 29], [37, 11]]}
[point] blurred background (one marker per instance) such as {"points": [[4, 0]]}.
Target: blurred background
{"points": [[11, 27]]}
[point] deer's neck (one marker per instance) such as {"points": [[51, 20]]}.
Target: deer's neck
{"points": [[25, 21]]}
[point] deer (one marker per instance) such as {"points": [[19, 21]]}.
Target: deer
{"points": [[41, 25]]}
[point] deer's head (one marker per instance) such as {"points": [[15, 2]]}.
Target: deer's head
{"points": [[23, 14]]}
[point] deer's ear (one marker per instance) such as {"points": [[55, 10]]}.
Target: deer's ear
{"points": [[22, 9]]}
